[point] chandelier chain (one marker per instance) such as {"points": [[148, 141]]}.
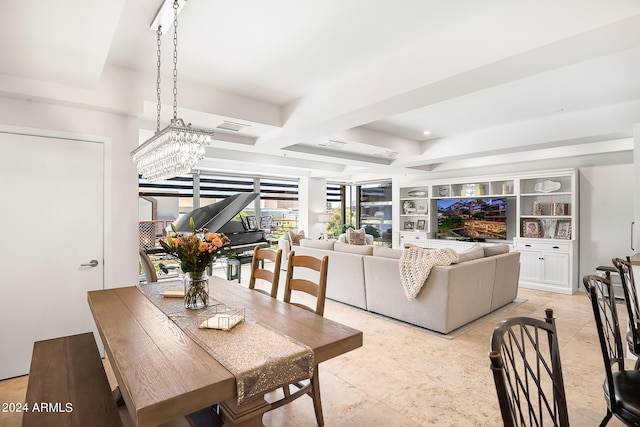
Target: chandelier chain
{"points": [[175, 60], [159, 33], [176, 149]]}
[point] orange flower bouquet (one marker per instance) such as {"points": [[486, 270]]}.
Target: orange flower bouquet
{"points": [[195, 252]]}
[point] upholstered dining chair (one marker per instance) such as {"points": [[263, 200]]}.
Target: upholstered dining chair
{"points": [[149, 270], [301, 271], [625, 269], [525, 360], [620, 386], [258, 273]]}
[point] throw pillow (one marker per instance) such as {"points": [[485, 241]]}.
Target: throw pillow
{"points": [[356, 237], [295, 237]]}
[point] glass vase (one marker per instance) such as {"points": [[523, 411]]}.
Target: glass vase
{"points": [[196, 289]]}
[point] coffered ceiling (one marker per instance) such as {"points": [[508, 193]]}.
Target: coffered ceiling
{"points": [[346, 89]]}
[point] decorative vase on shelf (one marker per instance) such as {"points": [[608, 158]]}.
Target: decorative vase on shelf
{"points": [[196, 289]]}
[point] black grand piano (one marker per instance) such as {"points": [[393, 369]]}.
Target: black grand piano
{"points": [[219, 218]]}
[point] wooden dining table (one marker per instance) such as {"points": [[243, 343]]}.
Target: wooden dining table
{"points": [[163, 374]]}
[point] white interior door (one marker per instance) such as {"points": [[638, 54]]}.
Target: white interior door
{"points": [[51, 226]]}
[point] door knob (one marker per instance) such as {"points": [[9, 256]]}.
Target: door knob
{"points": [[92, 263]]}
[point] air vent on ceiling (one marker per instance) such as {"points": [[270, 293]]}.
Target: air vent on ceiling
{"points": [[387, 154], [333, 144], [232, 126]]}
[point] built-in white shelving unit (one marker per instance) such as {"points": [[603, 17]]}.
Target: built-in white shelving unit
{"points": [[540, 210]]}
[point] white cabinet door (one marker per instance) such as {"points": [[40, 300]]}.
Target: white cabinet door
{"points": [[530, 266], [555, 269]]}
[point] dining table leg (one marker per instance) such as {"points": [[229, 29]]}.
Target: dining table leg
{"points": [[248, 414]]}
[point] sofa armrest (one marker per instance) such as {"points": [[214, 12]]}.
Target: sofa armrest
{"points": [[285, 245]]}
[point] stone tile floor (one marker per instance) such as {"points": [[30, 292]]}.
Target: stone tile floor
{"points": [[404, 376]]}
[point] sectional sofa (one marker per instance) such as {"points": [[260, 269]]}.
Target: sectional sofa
{"points": [[368, 277]]}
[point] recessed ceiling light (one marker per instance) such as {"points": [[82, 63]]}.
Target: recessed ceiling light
{"points": [[427, 132]]}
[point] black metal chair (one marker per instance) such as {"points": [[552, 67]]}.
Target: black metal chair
{"points": [[621, 387], [525, 360], [625, 270]]}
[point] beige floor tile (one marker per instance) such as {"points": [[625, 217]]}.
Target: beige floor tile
{"points": [[404, 376]]}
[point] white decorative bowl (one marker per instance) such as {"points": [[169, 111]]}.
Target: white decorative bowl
{"points": [[547, 186]]}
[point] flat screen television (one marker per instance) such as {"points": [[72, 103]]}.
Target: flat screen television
{"points": [[472, 219]]}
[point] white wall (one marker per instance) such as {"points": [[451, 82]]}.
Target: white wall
{"points": [[121, 178], [606, 213]]}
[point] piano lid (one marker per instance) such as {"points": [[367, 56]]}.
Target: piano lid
{"points": [[213, 217]]}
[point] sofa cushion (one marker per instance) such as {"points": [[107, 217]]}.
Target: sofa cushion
{"points": [[356, 237], [496, 250], [385, 252], [353, 249], [474, 252], [295, 237], [318, 244]]}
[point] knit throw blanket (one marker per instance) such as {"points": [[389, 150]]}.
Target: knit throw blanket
{"points": [[416, 264]]}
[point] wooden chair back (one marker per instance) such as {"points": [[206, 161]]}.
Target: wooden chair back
{"points": [[273, 277], [147, 266], [298, 263], [525, 360]]}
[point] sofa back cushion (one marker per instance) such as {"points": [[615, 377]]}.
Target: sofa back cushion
{"points": [[496, 250], [474, 252], [383, 251], [327, 245], [353, 249]]}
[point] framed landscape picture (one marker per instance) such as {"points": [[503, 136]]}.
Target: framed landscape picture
{"points": [[408, 225]]}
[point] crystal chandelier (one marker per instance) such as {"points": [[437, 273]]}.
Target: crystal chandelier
{"points": [[177, 148]]}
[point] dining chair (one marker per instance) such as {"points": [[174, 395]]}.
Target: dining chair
{"points": [[309, 267], [294, 282], [620, 386], [261, 273], [525, 360], [625, 269], [149, 270]]}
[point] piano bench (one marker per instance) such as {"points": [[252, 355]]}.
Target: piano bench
{"points": [[234, 265]]}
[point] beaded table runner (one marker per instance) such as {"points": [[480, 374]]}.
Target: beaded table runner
{"points": [[261, 358]]}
